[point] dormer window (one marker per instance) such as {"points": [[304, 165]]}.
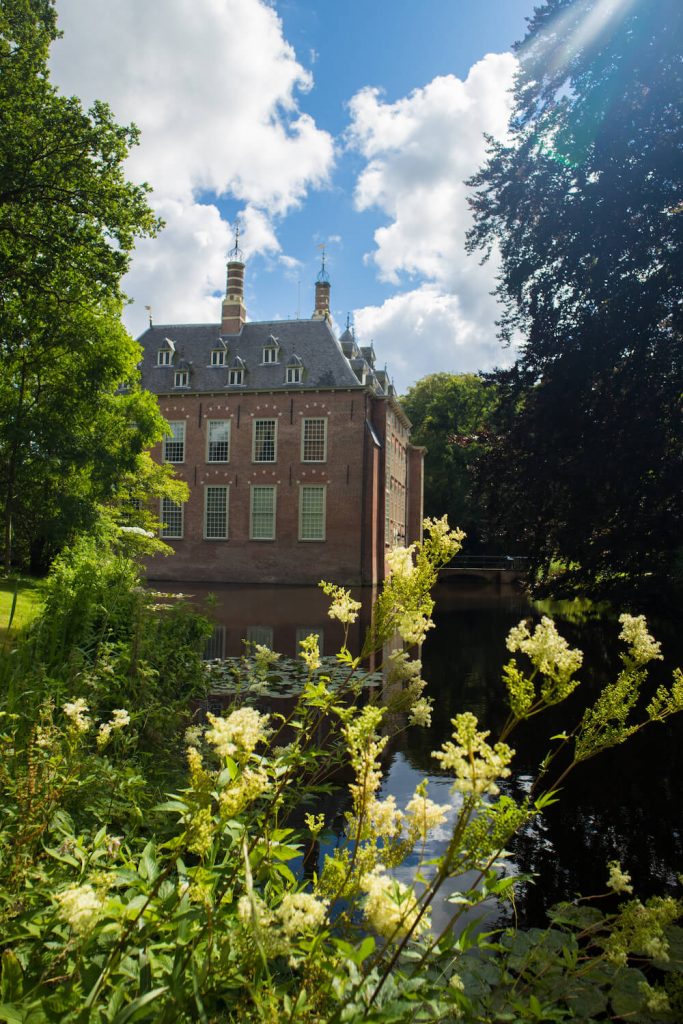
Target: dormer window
{"points": [[294, 374], [181, 379], [271, 350], [164, 357], [218, 357], [235, 378]]}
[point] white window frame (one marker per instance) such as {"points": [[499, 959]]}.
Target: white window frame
{"points": [[215, 645], [294, 375], [177, 509], [209, 442], [210, 533], [217, 357], [313, 419], [236, 378], [164, 357], [177, 437], [252, 532], [270, 355], [263, 441], [322, 489], [181, 379]]}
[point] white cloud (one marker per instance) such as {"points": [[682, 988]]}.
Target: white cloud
{"points": [[213, 85], [424, 331], [419, 152]]}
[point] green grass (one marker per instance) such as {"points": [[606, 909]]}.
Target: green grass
{"points": [[29, 593]]}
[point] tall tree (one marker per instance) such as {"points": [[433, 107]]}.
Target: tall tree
{"points": [[450, 413], [68, 222], [584, 202]]}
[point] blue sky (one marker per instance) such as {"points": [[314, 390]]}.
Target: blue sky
{"points": [[349, 124]]}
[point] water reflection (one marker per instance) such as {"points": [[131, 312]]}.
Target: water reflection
{"points": [[626, 805]]}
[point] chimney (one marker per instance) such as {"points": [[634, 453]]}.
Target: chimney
{"points": [[234, 314], [322, 294]]}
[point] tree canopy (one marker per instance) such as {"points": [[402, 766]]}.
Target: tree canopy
{"points": [[68, 223], [583, 201], [449, 413]]}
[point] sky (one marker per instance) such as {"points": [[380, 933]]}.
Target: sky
{"points": [[352, 126]]}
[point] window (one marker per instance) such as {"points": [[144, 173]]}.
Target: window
{"points": [[182, 379], [218, 357], [215, 645], [264, 441], [304, 631], [262, 635], [216, 513], [312, 512], [294, 374], [235, 377], [262, 525], [218, 441], [314, 440], [270, 354], [164, 357], [171, 519], [174, 443]]}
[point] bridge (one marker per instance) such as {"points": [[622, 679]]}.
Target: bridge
{"points": [[501, 570]]}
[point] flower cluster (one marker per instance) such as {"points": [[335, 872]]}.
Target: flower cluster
{"points": [[343, 607], [551, 656], [618, 881], [238, 734], [442, 542], [643, 647], [421, 712], [475, 764], [120, 719], [300, 912], [412, 626], [242, 791], [424, 814], [80, 907], [400, 561], [391, 908], [310, 652], [76, 712]]}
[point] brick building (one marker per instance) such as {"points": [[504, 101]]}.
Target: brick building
{"points": [[293, 444]]}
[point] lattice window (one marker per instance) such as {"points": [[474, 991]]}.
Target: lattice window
{"points": [[164, 357], [235, 377], [312, 512], [264, 441], [314, 440], [294, 374], [218, 441], [172, 519], [218, 357], [216, 512], [215, 645], [174, 443], [270, 354], [262, 513], [262, 635]]}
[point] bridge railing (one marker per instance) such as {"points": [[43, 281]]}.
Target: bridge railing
{"points": [[515, 563]]}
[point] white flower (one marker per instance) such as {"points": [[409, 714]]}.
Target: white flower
{"points": [[390, 907], [76, 711], [475, 764], [400, 561], [310, 652], [343, 607], [136, 530], [423, 813], [412, 627], [421, 712], [103, 734], [80, 907], [644, 647], [618, 881], [120, 718], [193, 735], [238, 734], [301, 912]]}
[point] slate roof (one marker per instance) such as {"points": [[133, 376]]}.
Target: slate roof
{"points": [[312, 341]]}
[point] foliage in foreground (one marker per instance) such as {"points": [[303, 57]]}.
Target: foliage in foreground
{"points": [[238, 908]]}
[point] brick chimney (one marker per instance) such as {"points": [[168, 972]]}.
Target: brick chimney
{"points": [[234, 314], [322, 294]]}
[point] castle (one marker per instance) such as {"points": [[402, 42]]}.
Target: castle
{"points": [[294, 446]]}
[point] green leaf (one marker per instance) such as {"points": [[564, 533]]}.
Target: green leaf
{"points": [[138, 1009], [11, 982]]}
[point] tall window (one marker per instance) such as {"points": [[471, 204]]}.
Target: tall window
{"points": [[314, 440], [172, 520], [164, 357], [270, 354], [235, 377], [294, 374], [182, 379], [216, 513], [264, 441], [262, 525], [218, 357], [312, 512], [262, 635], [174, 443], [215, 645], [218, 441]]}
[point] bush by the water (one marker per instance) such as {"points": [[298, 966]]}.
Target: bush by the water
{"points": [[217, 903]]}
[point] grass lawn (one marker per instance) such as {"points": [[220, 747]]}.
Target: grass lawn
{"points": [[29, 601]]}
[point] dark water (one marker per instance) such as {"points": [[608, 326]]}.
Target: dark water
{"points": [[626, 804]]}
